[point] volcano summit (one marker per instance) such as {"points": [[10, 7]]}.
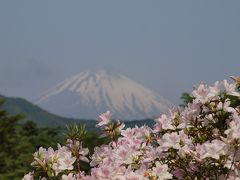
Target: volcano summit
{"points": [[88, 94]]}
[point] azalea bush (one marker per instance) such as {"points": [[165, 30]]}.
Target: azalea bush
{"points": [[201, 141]]}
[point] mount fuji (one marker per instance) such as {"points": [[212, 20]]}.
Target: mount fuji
{"points": [[88, 94]]}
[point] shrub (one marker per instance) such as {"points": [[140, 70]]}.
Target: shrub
{"points": [[200, 142]]}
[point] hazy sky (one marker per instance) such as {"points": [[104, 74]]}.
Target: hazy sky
{"points": [[168, 46]]}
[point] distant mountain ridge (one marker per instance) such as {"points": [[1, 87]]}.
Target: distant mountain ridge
{"points": [[15, 105], [88, 94], [43, 118]]}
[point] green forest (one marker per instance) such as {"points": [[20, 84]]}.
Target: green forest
{"points": [[21, 137], [25, 127]]}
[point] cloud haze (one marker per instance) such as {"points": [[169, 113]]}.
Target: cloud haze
{"points": [[166, 45]]}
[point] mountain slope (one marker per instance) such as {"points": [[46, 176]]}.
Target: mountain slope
{"points": [[46, 119], [88, 94], [36, 114]]}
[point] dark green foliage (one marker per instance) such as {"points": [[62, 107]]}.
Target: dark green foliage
{"points": [[19, 140], [139, 123], [90, 140], [235, 101], [221, 124], [186, 98], [76, 132]]}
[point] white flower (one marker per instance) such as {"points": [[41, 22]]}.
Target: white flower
{"points": [[77, 146], [124, 154], [104, 119], [164, 123], [70, 176], [130, 175], [190, 113], [64, 160], [214, 90], [161, 171], [28, 176], [225, 106], [211, 149], [200, 93], [66, 163], [101, 153], [235, 174], [234, 131], [170, 140], [231, 89]]}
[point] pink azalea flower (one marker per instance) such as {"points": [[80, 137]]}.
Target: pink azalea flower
{"points": [[70, 176], [211, 149], [231, 89], [233, 132], [161, 171], [104, 119], [163, 122], [200, 93], [170, 140], [28, 176]]}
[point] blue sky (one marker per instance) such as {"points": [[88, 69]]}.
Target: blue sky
{"points": [[168, 46]]}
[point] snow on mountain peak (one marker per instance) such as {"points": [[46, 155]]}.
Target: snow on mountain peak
{"points": [[88, 94]]}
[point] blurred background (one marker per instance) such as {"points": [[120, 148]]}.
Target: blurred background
{"points": [[168, 46]]}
